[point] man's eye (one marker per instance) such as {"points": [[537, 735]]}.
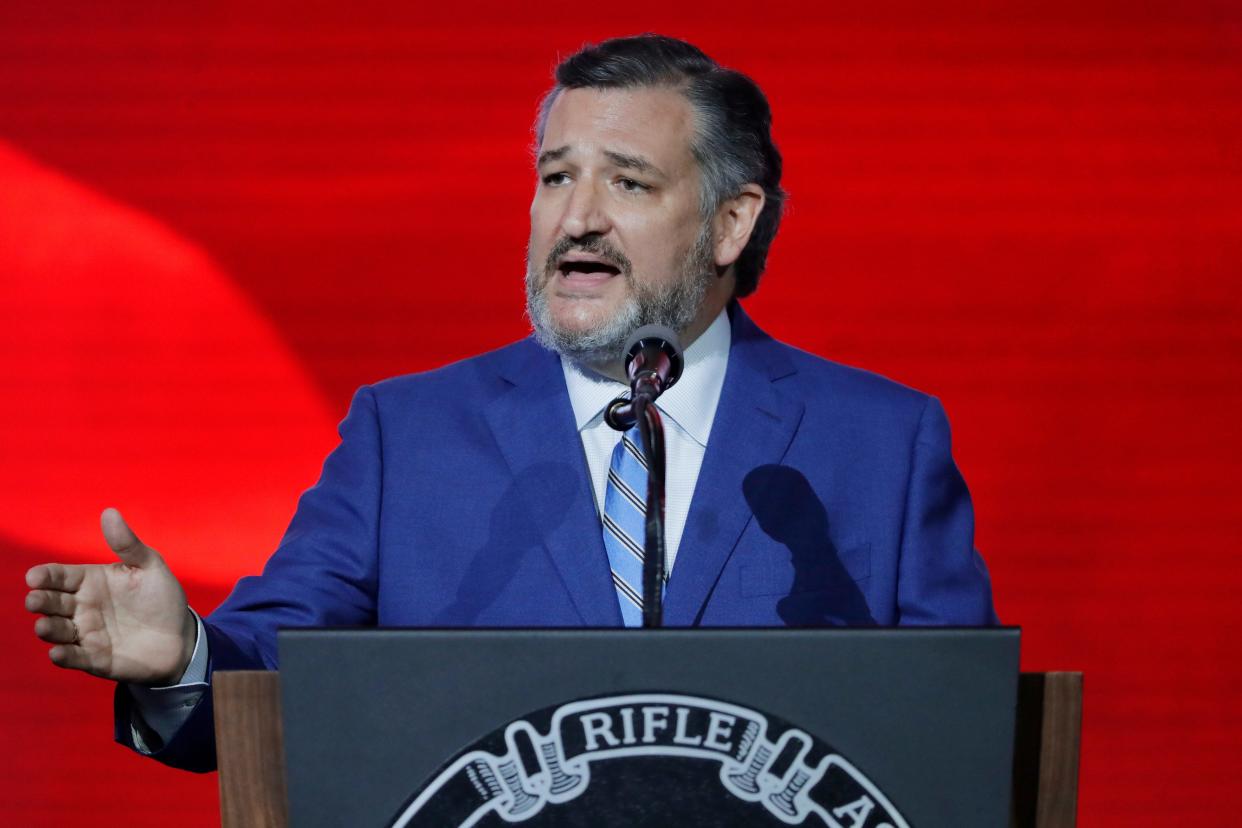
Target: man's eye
{"points": [[553, 179], [632, 186]]}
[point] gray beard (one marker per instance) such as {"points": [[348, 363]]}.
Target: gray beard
{"points": [[674, 305]]}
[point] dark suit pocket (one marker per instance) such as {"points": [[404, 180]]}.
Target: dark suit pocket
{"points": [[806, 574]]}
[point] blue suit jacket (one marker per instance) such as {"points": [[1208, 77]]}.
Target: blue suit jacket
{"points": [[461, 497]]}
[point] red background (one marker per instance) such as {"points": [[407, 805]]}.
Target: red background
{"points": [[216, 222]]}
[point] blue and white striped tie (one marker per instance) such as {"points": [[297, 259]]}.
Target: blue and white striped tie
{"points": [[625, 515]]}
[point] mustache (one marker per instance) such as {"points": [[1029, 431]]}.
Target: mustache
{"points": [[595, 245]]}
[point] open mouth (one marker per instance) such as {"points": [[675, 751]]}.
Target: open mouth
{"points": [[587, 268]]}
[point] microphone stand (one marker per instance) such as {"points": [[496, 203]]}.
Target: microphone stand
{"points": [[651, 429], [622, 413], [653, 362]]}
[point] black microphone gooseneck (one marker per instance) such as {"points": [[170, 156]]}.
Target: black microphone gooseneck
{"points": [[653, 362]]}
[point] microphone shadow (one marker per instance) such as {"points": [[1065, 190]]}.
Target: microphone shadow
{"points": [[531, 505], [823, 592]]}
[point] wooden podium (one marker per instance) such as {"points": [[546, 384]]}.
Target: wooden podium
{"points": [[249, 746]]}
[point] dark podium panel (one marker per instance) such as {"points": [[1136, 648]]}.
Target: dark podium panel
{"points": [[858, 728]]}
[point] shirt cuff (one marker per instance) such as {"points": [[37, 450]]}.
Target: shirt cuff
{"points": [[159, 712]]}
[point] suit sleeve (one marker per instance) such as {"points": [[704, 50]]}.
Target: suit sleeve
{"points": [[942, 579], [323, 574]]}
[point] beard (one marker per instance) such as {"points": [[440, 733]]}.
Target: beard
{"points": [[674, 304]]}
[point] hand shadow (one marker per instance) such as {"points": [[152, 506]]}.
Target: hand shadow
{"points": [[822, 593]]}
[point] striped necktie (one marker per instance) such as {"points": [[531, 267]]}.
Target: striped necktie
{"points": [[625, 515]]}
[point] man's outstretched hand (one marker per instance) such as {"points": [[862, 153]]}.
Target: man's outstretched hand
{"points": [[127, 621]]}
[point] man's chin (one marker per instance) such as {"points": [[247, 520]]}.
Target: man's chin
{"points": [[588, 320], [589, 328], [582, 315], [589, 339]]}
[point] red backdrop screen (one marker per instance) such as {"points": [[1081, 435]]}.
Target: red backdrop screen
{"points": [[217, 221]]}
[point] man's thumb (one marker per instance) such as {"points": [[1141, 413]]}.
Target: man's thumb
{"points": [[123, 541]]}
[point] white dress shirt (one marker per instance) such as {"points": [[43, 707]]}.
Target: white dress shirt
{"points": [[688, 410]]}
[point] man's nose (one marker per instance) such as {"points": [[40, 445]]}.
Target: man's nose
{"points": [[586, 212]]}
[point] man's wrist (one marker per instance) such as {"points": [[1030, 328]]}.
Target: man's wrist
{"points": [[189, 641], [190, 668], [159, 712]]}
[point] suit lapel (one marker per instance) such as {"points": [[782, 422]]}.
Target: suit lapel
{"points": [[534, 427], [755, 422]]}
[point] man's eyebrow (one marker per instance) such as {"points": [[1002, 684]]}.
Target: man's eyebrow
{"points": [[621, 159], [552, 155], [633, 162]]}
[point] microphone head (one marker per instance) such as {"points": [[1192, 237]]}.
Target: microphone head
{"points": [[654, 348]]}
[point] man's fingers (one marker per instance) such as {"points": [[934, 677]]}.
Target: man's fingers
{"points": [[51, 602], [65, 655], [55, 576], [56, 630], [123, 541]]}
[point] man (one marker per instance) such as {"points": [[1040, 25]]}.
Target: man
{"points": [[822, 495]]}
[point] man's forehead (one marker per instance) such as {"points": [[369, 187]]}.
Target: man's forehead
{"points": [[627, 127]]}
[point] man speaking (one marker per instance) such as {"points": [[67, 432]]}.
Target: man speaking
{"points": [[491, 493]]}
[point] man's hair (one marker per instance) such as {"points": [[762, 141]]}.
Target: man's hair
{"points": [[733, 136]]}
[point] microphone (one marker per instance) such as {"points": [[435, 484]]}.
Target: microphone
{"points": [[653, 364]]}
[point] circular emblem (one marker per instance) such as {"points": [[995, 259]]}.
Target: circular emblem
{"points": [[649, 759]]}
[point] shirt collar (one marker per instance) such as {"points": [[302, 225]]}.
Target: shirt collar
{"points": [[691, 402]]}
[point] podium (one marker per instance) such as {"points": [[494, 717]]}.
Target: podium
{"points": [[564, 753]]}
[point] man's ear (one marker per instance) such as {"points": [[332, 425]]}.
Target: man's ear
{"points": [[734, 222]]}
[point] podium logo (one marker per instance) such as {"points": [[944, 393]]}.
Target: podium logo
{"points": [[650, 759]]}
